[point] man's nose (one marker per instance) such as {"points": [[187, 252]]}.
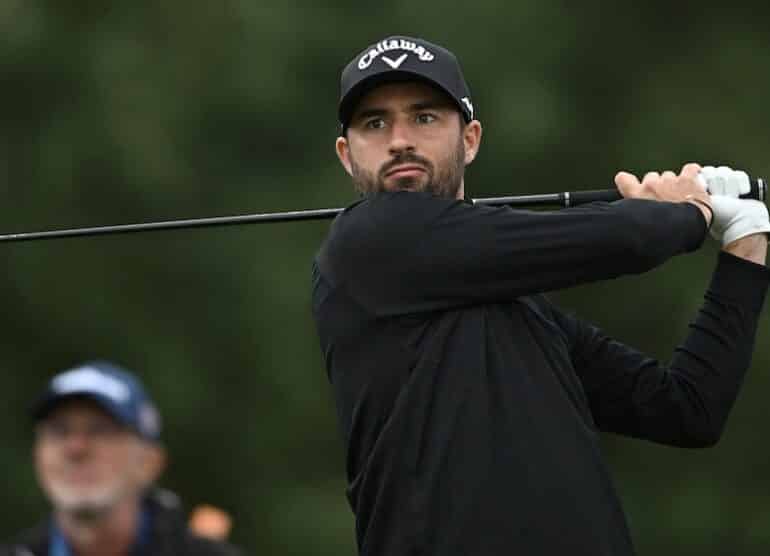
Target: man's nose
{"points": [[77, 444], [401, 138]]}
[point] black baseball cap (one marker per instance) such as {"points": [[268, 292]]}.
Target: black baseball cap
{"points": [[113, 388], [401, 58]]}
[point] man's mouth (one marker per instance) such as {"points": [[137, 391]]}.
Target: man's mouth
{"points": [[405, 170], [77, 476]]}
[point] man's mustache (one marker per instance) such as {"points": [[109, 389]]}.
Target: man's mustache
{"points": [[406, 159]]}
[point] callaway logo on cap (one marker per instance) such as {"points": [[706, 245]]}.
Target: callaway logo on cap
{"points": [[400, 58], [420, 51]]}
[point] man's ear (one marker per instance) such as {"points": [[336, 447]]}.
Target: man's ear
{"points": [[155, 460], [472, 140], [343, 153]]}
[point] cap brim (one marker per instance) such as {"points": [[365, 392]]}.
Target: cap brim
{"points": [[47, 404], [359, 90]]}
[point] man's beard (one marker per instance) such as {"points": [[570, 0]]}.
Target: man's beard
{"points": [[88, 506], [442, 182]]}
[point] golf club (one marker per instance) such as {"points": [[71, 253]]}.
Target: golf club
{"points": [[553, 200]]}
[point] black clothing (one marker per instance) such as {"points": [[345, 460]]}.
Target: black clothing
{"points": [[169, 535], [470, 405]]}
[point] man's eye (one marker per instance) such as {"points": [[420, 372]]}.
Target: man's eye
{"points": [[55, 429], [103, 429], [375, 123], [426, 118]]}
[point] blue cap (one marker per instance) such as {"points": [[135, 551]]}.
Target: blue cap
{"points": [[114, 389]]}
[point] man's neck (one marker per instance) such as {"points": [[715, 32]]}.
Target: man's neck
{"points": [[110, 534]]}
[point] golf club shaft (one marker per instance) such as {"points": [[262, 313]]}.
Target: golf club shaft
{"points": [[546, 200]]}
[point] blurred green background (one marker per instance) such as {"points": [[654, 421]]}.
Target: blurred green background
{"points": [[124, 112]]}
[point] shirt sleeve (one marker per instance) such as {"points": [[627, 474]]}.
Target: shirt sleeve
{"points": [[406, 252], [684, 403]]}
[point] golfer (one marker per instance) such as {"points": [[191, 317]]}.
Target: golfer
{"points": [[470, 405]]}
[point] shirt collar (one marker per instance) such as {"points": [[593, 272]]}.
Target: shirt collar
{"points": [[58, 545]]}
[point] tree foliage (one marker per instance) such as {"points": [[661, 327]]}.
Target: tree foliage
{"points": [[133, 111]]}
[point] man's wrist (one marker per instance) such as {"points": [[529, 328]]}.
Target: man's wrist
{"points": [[705, 208], [752, 248]]}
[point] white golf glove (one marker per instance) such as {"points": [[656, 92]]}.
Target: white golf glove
{"points": [[723, 180], [737, 218]]}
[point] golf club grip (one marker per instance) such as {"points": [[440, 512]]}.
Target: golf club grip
{"points": [[758, 192]]}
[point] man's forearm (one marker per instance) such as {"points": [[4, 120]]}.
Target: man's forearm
{"points": [[752, 248]]}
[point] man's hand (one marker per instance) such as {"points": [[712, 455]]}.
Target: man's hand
{"points": [[669, 187], [741, 225], [723, 180]]}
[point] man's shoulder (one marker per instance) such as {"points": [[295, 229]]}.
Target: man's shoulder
{"points": [[199, 546], [172, 530], [30, 542], [18, 550]]}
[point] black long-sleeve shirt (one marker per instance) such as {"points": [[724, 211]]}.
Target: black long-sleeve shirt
{"points": [[470, 406]]}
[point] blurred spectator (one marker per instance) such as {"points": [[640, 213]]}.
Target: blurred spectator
{"points": [[97, 454]]}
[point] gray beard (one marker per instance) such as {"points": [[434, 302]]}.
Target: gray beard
{"points": [[88, 513], [444, 182], [85, 508]]}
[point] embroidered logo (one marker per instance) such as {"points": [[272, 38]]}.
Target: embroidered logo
{"points": [[422, 53], [467, 102], [91, 380], [395, 63]]}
